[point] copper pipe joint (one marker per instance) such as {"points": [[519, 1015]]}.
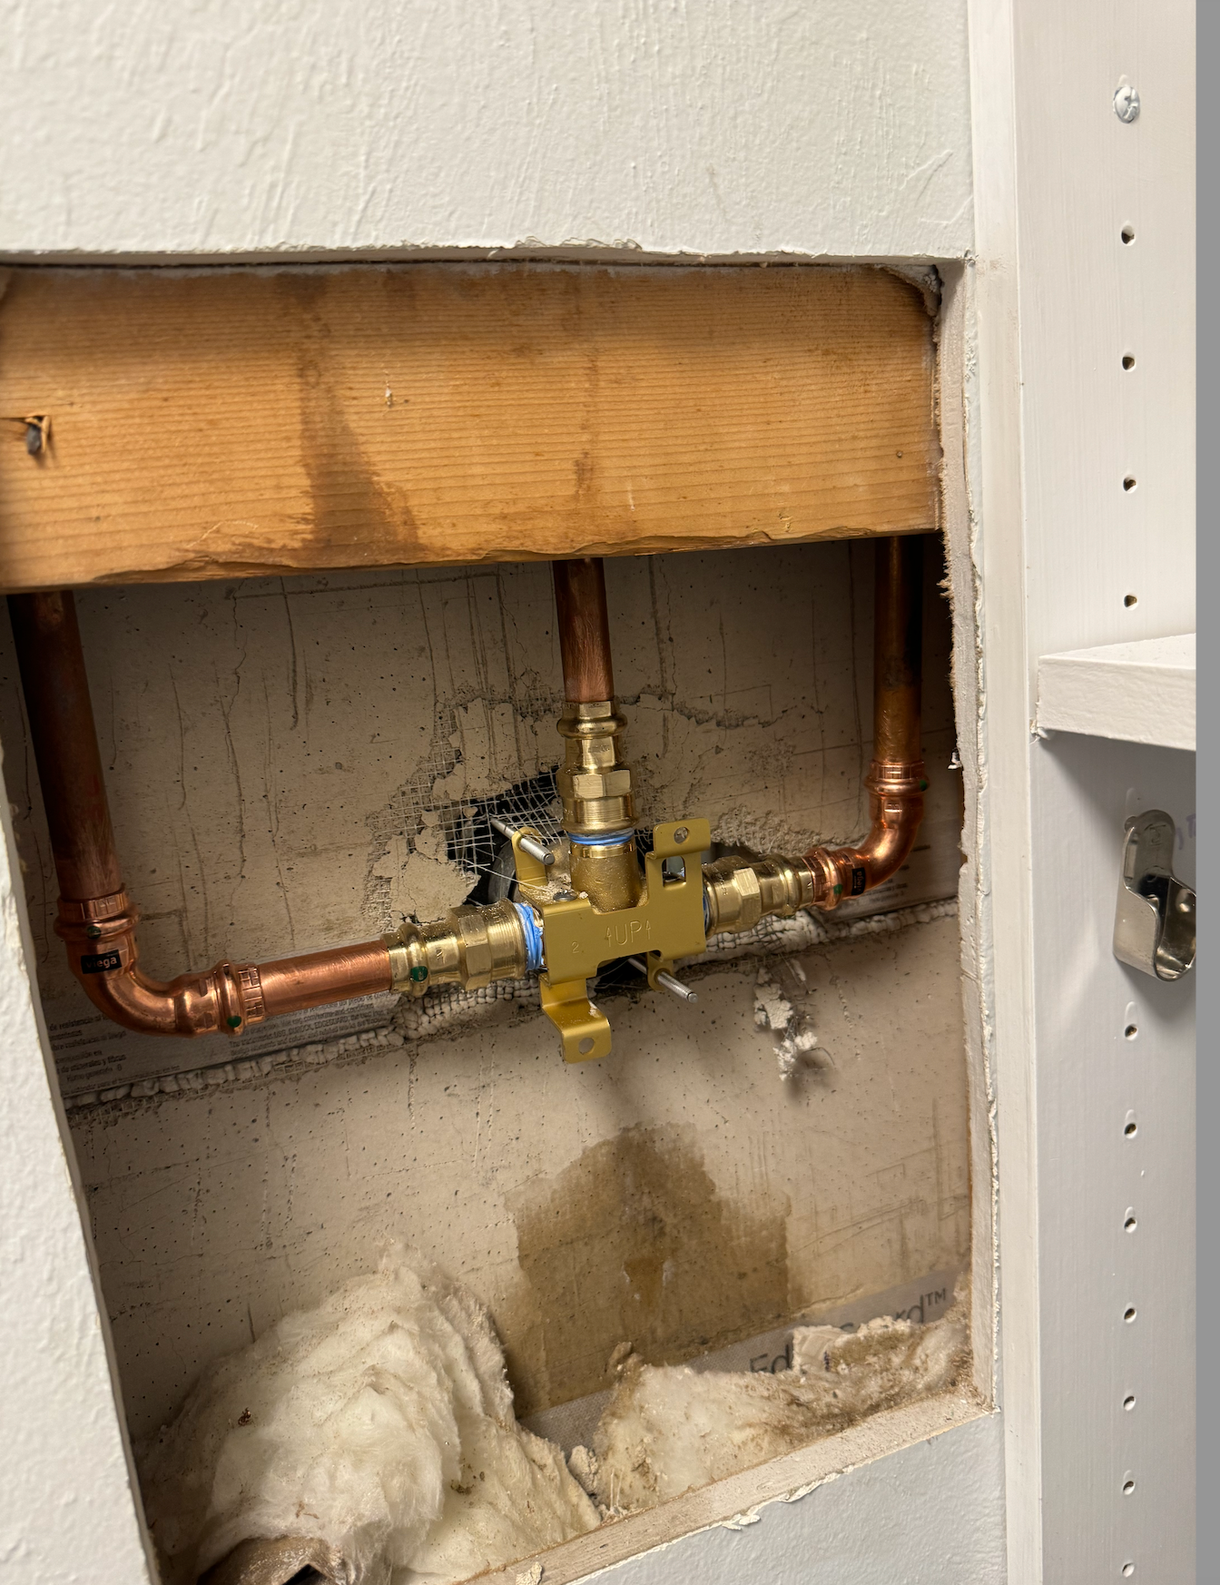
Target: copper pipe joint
{"points": [[97, 920], [584, 629], [896, 778], [103, 953]]}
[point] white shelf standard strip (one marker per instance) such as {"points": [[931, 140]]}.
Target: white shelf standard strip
{"points": [[1142, 692]]}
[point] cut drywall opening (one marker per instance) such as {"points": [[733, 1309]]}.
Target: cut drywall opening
{"points": [[294, 764]]}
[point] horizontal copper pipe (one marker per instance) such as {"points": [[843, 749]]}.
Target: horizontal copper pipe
{"points": [[96, 919], [896, 779], [584, 630]]}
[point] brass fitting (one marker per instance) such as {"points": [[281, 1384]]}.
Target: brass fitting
{"points": [[594, 783], [738, 892], [471, 946]]}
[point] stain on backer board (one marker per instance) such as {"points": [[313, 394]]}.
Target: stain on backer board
{"points": [[633, 1242]]}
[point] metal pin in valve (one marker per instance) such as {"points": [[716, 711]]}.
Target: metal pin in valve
{"points": [[534, 849], [682, 992]]}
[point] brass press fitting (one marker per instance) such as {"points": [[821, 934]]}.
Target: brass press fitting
{"points": [[739, 891], [594, 783], [471, 946]]}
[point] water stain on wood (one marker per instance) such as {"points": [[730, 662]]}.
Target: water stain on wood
{"points": [[633, 1242], [351, 504]]}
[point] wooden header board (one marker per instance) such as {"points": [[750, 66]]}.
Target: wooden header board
{"points": [[244, 421]]}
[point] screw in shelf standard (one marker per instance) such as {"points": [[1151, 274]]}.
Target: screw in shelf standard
{"points": [[1126, 103]]}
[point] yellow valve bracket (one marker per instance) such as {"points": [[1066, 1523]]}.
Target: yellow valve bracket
{"points": [[583, 1027], [530, 871], [665, 925]]}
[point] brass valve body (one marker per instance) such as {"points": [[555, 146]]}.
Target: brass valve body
{"points": [[471, 946], [608, 874]]}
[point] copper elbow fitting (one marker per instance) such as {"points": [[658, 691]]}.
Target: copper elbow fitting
{"points": [[100, 936], [103, 953], [896, 803]]}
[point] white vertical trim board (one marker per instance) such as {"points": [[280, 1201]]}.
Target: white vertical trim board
{"points": [[1003, 837], [1085, 291]]}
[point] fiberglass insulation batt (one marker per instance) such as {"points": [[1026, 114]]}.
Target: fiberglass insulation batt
{"points": [[378, 1428]]}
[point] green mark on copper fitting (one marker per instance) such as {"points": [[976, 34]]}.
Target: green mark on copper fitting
{"points": [[419, 972], [233, 1020], [93, 931], [923, 786], [838, 891]]}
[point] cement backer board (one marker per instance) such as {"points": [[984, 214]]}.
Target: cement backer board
{"points": [[272, 748], [215, 1214]]}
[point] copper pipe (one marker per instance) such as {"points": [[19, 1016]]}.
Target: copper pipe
{"points": [[96, 919], [65, 744], [584, 630], [895, 780]]}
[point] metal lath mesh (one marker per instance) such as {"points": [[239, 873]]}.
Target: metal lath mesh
{"points": [[475, 844]]}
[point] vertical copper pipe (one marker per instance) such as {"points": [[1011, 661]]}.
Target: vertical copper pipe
{"points": [[895, 779], [65, 743], [898, 648], [584, 630]]}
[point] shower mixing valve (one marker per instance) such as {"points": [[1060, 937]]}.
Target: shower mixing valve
{"points": [[664, 924]]}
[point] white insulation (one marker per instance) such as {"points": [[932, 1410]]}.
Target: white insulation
{"points": [[670, 1429], [380, 1425]]}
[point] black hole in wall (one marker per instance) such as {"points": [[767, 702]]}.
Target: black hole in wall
{"points": [[1128, 233], [1129, 482], [1130, 599], [1128, 361]]}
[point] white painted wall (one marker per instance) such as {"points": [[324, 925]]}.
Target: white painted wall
{"points": [[830, 127], [67, 1512], [931, 1514]]}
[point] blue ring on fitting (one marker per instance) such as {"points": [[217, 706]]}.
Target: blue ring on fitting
{"points": [[609, 839], [533, 935]]}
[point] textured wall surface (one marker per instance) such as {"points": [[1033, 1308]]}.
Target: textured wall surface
{"points": [[839, 127], [63, 1470]]}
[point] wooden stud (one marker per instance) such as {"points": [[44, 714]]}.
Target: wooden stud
{"points": [[245, 421]]}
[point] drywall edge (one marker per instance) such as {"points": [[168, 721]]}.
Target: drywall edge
{"points": [[650, 1540], [71, 1510], [957, 399]]}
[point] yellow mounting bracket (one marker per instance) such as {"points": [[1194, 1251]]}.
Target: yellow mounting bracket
{"points": [[665, 925]]}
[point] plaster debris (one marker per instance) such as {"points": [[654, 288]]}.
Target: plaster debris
{"points": [[669, 1429], [376, 1429], [796, 1040]]}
